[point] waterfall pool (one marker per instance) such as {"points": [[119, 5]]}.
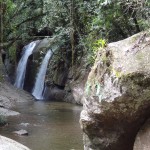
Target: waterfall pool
{"points": [[51, 126]]}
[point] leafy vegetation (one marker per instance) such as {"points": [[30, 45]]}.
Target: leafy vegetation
{"points": [[84, 24]]}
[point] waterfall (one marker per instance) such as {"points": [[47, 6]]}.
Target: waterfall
{"points": [[21, 69], [39, 84]]}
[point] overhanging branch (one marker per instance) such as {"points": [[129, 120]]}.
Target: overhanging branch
{"points": [[30, 19]]}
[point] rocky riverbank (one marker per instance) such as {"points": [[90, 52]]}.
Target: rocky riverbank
{"points": [[9, 95]]}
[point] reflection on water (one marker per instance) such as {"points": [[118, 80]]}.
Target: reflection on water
{"points": [[51, 126]]}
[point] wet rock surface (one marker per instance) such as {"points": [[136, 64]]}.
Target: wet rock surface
{"points": [[9, 144], [21, 132], [8, 112], [9, 96], [117, 95]]}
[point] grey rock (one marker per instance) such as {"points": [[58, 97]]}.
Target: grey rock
{"points": [[9, 144], [8, 112], [116, 99], [9, 96], [75, 87], [21, 132], [24, 124]]}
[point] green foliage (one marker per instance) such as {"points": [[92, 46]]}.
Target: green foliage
{"points": [[12, 53], [95, 47], [94, 88], [88, 88], [118, 19], [99, 43], [118, 74], [90, 21]]}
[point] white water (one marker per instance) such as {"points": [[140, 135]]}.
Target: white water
{"points": [[21, 69], [39, 84]]}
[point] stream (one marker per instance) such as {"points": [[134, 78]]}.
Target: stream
{"points": [[51, 126]]}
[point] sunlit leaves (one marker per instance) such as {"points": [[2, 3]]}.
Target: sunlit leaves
{"points": [[93, 19]]}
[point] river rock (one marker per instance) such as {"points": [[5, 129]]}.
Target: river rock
{"points": [[8, 112], [21, 132], [9, 144], [9, 96], [24, 124], [117, 94]]}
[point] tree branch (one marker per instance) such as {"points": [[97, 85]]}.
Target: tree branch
{"points": [[29, 19]]}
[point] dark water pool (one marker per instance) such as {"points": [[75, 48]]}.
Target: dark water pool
{"points": [[51, 126]]}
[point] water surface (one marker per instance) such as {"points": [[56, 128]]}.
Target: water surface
{"points": [[51, 126]]}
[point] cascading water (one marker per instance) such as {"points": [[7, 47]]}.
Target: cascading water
{"points": [[21, 69], [39, 84]]}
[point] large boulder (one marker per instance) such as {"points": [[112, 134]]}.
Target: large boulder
{"points": [[9, 97], [117, 94]]}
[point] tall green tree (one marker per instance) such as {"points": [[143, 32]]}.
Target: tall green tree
{"points": [[80, 22]]}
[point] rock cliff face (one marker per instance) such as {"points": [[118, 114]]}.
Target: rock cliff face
{"points": [[63, 82], [75, 86], [117, 94]]}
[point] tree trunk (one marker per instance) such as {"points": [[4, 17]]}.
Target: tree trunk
{"points": [[72, 39]]}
